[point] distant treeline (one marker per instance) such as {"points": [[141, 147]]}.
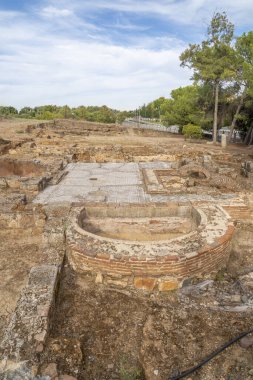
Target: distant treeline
{"points": [[221, 94], [102, 114]]}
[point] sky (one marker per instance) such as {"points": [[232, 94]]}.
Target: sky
{"points": [[119, 53]]}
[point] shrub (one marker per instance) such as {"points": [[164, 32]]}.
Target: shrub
{"points": [[129, 371], [191, 130]]}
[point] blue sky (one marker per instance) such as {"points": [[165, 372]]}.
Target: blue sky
{"points": [[122, 53]]}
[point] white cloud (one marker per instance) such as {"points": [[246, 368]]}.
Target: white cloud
{"points": [[58, 55], [39, 67], [89, 73], [187, 12], [9, 15], [51, 11]]}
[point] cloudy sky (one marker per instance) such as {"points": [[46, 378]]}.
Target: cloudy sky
{"points": [[122, 53]]}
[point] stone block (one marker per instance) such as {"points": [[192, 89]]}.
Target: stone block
{"points": [[99, 278], [12, 151], [31, 319], [249, 166], [117, 282], [145, 283], [168, 285], [3, 183], [13, 183], [67, 377], [223, 141], [50, 370]]}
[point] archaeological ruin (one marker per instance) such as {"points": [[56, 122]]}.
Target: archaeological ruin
{"points": [[124, 252]]}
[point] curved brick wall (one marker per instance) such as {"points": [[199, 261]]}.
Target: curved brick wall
{"points": [[161, 265]]}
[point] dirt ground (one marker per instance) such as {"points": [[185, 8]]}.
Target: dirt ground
{"points": [[105, 333]]}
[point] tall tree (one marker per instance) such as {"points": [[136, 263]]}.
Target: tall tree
{"points": [[244, 78], [213, 60]]}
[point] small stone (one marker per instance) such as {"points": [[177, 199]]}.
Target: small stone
{"points": [[34, 370], [56, 347], [40, 337], [246, 342], [156, 372], [43, 310], [190, 182], [110, 366], [249, 166], [67, 377], [99, 278], [39, 348], [51, 370], [3, 183], [251, 372], [235, 298], [12, 151], [111, 281]]}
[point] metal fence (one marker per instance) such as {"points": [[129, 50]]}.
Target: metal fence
{"points": [[152, 126]]}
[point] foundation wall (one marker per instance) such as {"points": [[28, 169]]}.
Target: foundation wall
{"points": [[153, 265], [208, 260]]}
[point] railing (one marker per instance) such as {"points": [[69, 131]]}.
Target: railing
{"points": [[136, 123]]}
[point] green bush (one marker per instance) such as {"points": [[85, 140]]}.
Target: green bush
{"points": [[191, 130], [128, 371]]}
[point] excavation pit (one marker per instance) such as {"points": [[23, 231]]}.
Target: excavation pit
{"points": [[139, 223]]}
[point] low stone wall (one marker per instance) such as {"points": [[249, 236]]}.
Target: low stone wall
{"points": [[28, 220], [26, 334], [28, 185], [30, 323], [162, 265]]}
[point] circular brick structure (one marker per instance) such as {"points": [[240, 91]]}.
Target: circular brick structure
{"points": [[199, 245]]}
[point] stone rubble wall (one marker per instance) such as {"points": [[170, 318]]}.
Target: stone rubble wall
{"points": [[26, 334], [31, 321], [26, 220]]}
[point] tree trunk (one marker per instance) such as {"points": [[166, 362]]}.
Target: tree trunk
{"points": [[249, 136], [215, 112], [246, 138], [232, 126]]}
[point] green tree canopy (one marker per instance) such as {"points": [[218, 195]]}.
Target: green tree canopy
{"points": [[7, 111], [183, 107]]}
